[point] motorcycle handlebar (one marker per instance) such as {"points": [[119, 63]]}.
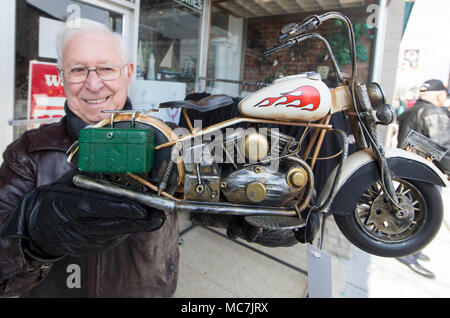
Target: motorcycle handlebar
{"points": [[312, 22], [299, 28], [278, 47]]}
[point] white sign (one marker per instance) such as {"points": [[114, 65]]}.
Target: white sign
{"points": [[48, 28], [149, 94]]}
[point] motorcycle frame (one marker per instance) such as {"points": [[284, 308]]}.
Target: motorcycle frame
{"points": [[365, 109], [341, 101], [231, 122], [355, 102]]}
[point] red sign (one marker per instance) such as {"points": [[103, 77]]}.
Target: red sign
{"points": [[45, 91]]}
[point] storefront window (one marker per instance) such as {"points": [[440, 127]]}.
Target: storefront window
{"points": [[37, 23], [225, 51], [168, 50]]}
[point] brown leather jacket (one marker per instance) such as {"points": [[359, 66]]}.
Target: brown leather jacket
{"points": [[143, 265]]}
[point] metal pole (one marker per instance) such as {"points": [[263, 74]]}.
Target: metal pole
{"points": [[203, 45], [379, 42]]}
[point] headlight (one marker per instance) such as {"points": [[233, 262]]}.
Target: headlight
{"points": [[376, 94]]}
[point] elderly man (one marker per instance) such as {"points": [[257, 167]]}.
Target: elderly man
{"points": [[61, 241], [57, 240]]}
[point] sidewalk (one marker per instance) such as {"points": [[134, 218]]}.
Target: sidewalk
{"points": [[212, 266]]}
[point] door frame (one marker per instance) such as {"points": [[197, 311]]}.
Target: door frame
{"points": [[7, 75]]}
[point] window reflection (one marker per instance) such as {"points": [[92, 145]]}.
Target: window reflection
{"points": [[225, 52], [168, 42]]}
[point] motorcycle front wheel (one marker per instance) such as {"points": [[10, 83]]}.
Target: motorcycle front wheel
{"points": [[377, 229]]}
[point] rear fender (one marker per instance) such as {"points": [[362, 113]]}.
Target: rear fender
{"points": [[360, 170]]}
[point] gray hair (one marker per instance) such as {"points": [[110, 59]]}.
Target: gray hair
{"points": [[79, 26]]}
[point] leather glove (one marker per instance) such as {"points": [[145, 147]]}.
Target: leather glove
{"points": [[62, 219], [238, 227]]}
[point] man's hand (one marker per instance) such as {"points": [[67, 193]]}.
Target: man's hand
{"points": [[62, 219]]}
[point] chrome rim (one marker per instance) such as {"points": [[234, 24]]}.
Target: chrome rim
{"points": [[376, 218]]}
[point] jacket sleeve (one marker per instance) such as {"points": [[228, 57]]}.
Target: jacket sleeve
{"points": [[19, 270], [437, 127]]}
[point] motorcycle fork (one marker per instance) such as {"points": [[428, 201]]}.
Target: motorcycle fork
{"points": [[387, 181], [365, 107]]}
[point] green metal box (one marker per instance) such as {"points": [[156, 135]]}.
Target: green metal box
{"points": [[116, 150]]}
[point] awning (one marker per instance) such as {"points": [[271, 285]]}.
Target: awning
{"points": [[262, 8]]}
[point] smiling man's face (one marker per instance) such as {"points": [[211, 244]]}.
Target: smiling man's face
{"points": [[89, 98]]}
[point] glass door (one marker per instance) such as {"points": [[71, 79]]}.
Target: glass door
{"points": [[225, 53], [167, 56]]}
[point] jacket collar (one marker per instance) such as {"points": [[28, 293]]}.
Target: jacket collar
{"points": [[424, 102], [61, 135], [75, 124]]}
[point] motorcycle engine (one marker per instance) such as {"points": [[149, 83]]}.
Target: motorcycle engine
{"points": [[253, 170], [263, 185]]}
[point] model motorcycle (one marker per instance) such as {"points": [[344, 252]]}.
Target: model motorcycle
{"points": [[385, 201]]}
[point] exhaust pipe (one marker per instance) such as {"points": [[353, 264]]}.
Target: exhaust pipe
{"points": [[170, 205]]}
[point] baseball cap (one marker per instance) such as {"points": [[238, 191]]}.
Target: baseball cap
{"points": [[432, 85]]}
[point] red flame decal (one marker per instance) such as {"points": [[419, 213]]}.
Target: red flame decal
{"points": [[299, 97]]}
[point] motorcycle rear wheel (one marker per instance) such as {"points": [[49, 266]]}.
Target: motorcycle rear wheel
{"points": [[374, 228]]}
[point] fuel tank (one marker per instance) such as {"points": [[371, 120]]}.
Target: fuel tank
{"points": [[302, 97]]}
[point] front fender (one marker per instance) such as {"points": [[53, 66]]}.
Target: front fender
{"points": [[360, 170]]}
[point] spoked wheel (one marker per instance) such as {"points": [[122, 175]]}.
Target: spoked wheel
{"points": [[378, 229]]}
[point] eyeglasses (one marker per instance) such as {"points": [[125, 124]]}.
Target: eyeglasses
{"points": [[79, 74]]}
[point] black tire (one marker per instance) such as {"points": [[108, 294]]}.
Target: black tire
{"points": [[426, 221]]}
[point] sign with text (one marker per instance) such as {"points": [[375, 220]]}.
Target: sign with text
{"points": [[46, 96], [195, 5]]}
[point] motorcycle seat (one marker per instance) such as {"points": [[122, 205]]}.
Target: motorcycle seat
{"points": [[203, 105]]}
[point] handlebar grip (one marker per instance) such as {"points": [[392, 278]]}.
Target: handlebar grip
{"points": [[278, 48], [296, 30], [308, 25]]}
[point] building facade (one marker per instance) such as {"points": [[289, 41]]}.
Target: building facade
{"points": [[178, 46]]}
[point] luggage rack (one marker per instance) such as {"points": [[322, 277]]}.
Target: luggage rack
{"points": [[417, 142]]}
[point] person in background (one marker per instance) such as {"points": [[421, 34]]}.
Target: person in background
{"points": [[431, 119]]}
